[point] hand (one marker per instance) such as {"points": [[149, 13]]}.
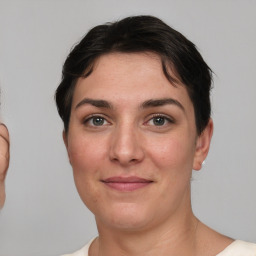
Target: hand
{"points": [[4, 160]]}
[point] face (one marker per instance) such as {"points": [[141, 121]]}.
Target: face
{"points": [[132, 142]]}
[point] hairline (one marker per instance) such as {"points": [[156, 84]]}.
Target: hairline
{"points": [[167, 65]]}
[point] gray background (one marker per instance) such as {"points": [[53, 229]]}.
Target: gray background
{"points": [[43, 214]]}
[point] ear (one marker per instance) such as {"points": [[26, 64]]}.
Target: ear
{"points": [[65, 139], [203, 145], [4, 160]]}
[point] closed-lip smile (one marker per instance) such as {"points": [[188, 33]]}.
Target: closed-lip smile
{"points": [[127, 184]]}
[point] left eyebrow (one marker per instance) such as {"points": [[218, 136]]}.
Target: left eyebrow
{"points": [[162, 102]]}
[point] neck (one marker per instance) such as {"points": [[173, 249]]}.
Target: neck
{"points": [[177, 237]]}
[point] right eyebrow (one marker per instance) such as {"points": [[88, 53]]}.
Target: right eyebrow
{"points": [[95, 103]]}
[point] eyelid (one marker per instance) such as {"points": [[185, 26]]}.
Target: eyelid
{"points": [[89, 117], [167, 117]]}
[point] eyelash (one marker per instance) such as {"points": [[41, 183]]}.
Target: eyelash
{"points": [[167, 120], [91, 118]]}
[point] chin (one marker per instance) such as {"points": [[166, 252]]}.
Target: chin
{"points": [[125, 217]]}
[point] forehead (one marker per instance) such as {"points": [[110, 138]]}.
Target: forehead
{"points": [[129, 77]]}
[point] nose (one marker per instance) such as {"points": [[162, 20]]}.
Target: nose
{"points": [[126, 146]]}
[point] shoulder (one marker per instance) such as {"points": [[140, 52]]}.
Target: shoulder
{"points": [[239, 248], [82, 252]]}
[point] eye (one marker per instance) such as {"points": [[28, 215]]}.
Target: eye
{"points": [[160, 120], [95, 121]]}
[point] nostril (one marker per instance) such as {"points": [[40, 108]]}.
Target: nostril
{"points": [[125, 161], [114, 159]]}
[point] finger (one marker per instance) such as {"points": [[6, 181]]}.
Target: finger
{"points": [[4, 141], [4, 151]]}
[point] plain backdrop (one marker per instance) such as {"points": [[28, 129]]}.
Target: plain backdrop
{"points": [[44, 215]]}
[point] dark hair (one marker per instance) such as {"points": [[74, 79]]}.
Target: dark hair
{"points": [[139, 34]]}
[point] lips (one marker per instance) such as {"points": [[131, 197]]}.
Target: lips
{"points": [[126, 183]]}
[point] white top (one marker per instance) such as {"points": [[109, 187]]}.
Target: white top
{"points": [[237, 248]]}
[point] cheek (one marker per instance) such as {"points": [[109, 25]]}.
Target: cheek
{"points": [[172, 152], [84, 154], [172, 158], [86, 157]]}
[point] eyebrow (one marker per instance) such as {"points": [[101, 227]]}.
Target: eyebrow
{"points": [[147, 104], [95, 103], [162, 102]]}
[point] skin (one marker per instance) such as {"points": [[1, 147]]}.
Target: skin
{"points": [[4, 160], [129, 136]]}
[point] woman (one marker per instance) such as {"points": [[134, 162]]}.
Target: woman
{"points": [[4, 160], [134, 99]]}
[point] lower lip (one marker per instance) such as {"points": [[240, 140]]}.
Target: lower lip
{"points": [[126, 186]]}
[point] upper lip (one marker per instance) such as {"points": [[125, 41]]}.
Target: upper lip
{"points": [[130, 179]]}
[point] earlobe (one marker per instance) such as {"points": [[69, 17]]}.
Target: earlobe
{"points": [[203, 145]]}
